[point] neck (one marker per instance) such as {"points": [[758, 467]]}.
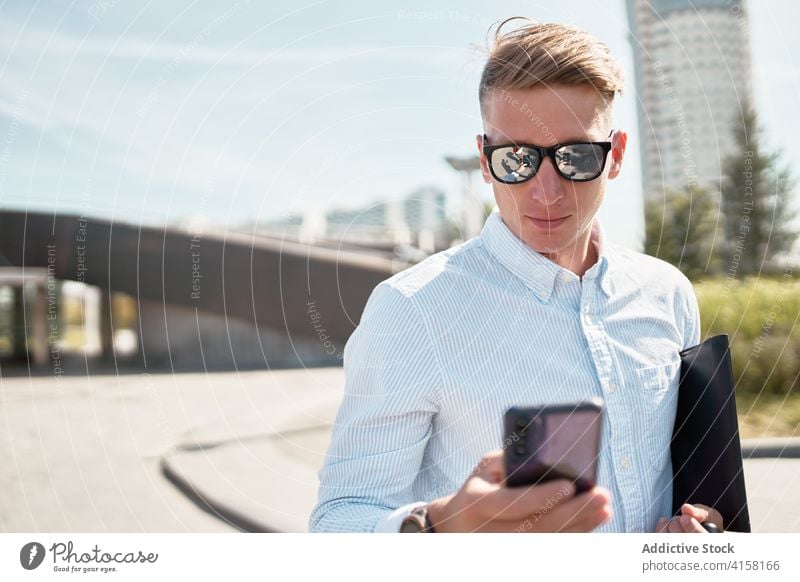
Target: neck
{"points": [[579, 258]]}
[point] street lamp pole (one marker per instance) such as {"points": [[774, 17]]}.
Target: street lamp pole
{"points": [[472, 208]]}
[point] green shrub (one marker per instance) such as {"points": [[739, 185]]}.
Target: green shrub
{"points": [[762, 318]]}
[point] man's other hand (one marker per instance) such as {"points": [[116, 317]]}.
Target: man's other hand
{"points": [[690, 520], [485, 504]]}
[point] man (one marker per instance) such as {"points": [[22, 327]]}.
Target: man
{"points": [[537, 309]]}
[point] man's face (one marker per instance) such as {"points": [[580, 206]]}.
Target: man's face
{"points": [[549, 213]]}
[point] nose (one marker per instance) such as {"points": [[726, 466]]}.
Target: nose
{"points": [[547, 186]]}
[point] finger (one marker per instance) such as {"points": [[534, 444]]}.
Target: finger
{"points": [[591, 520], [713, 516], [518, 503], [581, 514], [528, 525], [691, 525], [490, 467], [696, 511], [675, 526], [539, 523], [577, 514], [661, 525]]}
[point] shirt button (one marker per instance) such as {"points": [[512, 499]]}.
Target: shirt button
{"points": [[612, 387], [625, 461], [565, 278]]}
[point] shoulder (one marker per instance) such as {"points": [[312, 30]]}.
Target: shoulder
{"points": [[405, 295], [440, 272], [650, 274]]}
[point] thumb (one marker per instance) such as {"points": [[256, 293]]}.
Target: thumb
{"points": [[699, 512]]}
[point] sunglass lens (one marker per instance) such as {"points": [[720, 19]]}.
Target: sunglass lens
{"points": [[512, 164], [582, 161]]}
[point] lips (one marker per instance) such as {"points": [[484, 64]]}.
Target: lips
{"points": [[548, 222]]}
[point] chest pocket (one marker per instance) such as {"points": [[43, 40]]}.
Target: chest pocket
{"points": [[658, 392]]}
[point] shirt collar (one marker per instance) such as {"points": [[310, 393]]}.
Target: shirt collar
{"points": [[538, 272]]}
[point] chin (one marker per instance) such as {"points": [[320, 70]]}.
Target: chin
{"points": [[543, 243]]}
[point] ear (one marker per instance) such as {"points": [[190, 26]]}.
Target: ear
{"points": [[487, 176], [618, 142]]}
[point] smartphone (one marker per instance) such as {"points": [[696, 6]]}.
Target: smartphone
{"points": [[561, 441]]}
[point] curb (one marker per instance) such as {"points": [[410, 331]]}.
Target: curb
{"points": [[771, 448], [210, 505], [777, 448]]}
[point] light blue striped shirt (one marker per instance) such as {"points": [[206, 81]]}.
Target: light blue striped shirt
{"points": [[445, 347]]}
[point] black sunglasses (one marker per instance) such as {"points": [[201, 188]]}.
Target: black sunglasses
{"points": [[579, 161]]}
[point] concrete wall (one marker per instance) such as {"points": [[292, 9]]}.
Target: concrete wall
{"points": [[186, 338]]}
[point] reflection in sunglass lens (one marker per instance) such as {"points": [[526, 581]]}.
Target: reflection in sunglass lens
{"points": [[580, 161], [512, 164]]}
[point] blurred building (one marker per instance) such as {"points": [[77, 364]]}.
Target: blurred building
{"points": [[419, 219], [424, 209], [692, 64], [75, 298]]}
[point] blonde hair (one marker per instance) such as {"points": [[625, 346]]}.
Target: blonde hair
{"points": [[548, 54]]}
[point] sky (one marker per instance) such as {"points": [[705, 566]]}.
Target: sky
{"points": [[245, 112]]}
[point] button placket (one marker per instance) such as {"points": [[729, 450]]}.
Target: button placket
{"points": [[624, 444], [624, 462]]}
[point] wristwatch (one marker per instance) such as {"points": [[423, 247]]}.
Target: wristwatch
{"points": [[417, 521]]}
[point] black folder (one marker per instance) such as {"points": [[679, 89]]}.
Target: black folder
{"points": [[706, 452]]}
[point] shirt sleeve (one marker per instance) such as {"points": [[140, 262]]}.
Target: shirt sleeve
{"points": [[691, 335], [392, 383]]}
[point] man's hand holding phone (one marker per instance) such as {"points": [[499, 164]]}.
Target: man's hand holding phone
{"points": [[485, 504]]}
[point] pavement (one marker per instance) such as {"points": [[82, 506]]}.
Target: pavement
{"points": [[217, 452]]}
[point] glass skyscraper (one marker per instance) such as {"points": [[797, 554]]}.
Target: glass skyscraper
{"points": [[692, 60]]}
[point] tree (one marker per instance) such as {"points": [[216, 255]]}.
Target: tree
{"points": [[682, 228], [756, 206]]}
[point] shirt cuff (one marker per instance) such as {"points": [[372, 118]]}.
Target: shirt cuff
{"points": [[391, 523]]}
